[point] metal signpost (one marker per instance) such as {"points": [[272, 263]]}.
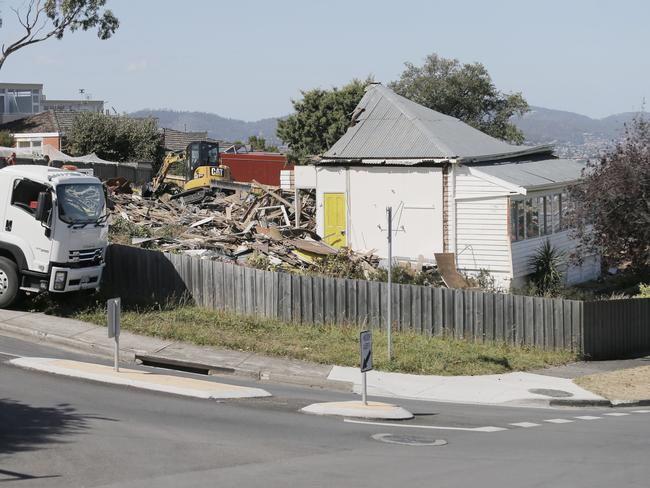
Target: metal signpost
{"points": [[114, 308], [389, 302], [365, 348]]}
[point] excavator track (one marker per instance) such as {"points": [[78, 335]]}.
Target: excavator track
{"points": [[192, 197]]}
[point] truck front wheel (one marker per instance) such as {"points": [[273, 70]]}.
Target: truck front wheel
{"points": [[8, 282]]}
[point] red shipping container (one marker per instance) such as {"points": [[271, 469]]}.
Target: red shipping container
{"points": [[262, 167]]}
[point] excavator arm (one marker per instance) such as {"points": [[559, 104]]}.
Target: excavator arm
{"points": [[168, 162]]}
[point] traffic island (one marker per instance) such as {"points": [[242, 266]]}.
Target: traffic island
{"points": [[371, 410], [177, 385]]}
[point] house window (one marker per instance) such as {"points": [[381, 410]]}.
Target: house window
{"points": [[532, 218], [538, 216], [566, 210], [36, 145], [20, 102], [514, 219], [555, 212]]}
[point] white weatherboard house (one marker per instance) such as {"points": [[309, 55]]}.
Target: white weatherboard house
{"points": [[452, 189]]}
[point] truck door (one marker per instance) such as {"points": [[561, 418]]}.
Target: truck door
{"points": [[22, 229]]}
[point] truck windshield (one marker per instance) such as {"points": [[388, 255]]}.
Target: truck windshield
{"points": [[80, 203]]}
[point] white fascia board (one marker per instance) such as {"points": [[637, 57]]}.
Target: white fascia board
{"points": [[552, 186], [382, 162], [497, 181], [34, 135], [402, 162]]}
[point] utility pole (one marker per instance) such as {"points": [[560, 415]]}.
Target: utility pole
{"points": [[389, 303]]}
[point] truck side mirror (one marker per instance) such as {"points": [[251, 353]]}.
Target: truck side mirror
{"points": [[43, 206]]}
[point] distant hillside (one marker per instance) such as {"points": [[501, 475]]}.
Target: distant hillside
{"points": [[542, 125], [574, 134], [218, 127]]}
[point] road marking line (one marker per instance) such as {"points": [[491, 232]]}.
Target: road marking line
{"points": [[587, 417], [525, 425], [616, 414], [467, 429], [641, 411], [558, 421]]}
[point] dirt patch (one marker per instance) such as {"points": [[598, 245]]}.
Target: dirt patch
{"points": [[625, 384]]}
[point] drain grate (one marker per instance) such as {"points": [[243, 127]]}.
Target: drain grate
{"points": [[409, 440], [178, 365], [551, 393]]}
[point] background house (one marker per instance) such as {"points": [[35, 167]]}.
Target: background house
{"points": [[452, 189], [34, 131], [19, 100]]}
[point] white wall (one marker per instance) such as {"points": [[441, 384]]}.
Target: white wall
{"points": [[482, 234], [480, 222], [523, 250], [305, 176], [478, 213], [414, 193]]}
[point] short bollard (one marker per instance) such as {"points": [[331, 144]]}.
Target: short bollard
{"points": [[114, 310], [365, 349]]}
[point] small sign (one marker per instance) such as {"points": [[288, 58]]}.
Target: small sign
{"points": [[365, 339], [114, 310]]}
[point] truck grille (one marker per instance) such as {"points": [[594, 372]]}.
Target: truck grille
{"points": [[85, 257]]}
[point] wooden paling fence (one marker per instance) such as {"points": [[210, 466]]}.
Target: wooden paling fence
{"points": [[599, 329]]}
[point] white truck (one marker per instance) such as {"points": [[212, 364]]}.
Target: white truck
{"points": [[53, 231]]}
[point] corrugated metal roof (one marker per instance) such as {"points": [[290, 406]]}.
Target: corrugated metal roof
{"points": [[531, 174], [391, 126]]}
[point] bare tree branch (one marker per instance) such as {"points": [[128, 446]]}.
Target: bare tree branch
{"points": [[83, 14]]}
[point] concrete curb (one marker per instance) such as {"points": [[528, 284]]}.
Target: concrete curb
{"points": [[90, 347], [131, 356], [142, 380], [599, 403], [356, 409]]}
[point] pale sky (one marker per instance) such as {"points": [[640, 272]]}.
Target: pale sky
{"points": [[247, 59]]}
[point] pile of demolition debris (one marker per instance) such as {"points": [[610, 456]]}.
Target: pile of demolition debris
{"points": [[237, 227]]}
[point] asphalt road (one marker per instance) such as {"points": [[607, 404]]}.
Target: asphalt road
{"points": [[57, 431]]}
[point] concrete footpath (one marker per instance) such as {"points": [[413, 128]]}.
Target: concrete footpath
{"points": [[505, 389]]}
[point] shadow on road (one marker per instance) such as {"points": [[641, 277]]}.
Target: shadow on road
{"points": [[26, 428]]}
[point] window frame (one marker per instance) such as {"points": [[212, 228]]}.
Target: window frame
{"points": [[22, 206], [541, 207]]}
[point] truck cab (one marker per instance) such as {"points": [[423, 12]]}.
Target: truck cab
{"points": [[53, 231]]}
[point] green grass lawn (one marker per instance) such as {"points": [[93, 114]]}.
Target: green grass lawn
{"points": [[413, 353]]}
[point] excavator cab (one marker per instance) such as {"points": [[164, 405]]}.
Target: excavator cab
{"points": [[202, 165], [201, 154]]}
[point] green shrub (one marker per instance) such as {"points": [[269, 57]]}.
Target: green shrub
{"points": [[546, 264], [644, 291]]}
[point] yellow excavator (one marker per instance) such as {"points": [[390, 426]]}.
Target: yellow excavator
{"points": [[203, 173]]}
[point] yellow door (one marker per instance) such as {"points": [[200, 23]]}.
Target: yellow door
{"points": [[335, 219]]}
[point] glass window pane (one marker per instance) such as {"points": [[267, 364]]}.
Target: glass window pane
{"points": [[541, 209], [23, 144], [555, 211], [521, 221], [514, 209], [532, 218], [565, 204]]}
